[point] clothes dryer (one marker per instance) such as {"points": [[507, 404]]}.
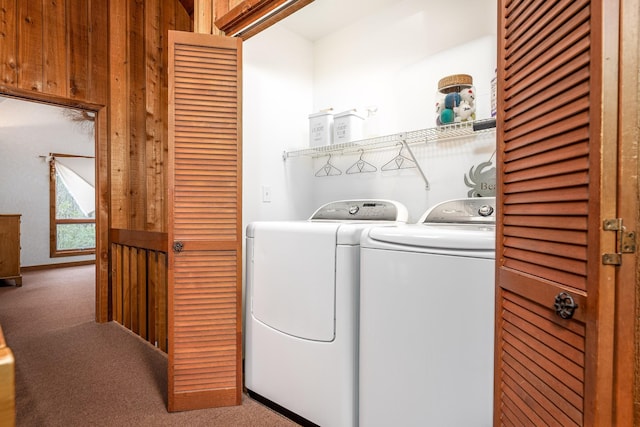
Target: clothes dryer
{"points": [[427, 319], [302, 294]]}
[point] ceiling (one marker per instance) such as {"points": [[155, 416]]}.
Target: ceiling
{"points": [[323, 17]]}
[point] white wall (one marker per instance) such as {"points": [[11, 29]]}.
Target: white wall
{"points": [[278, 95], [392, 59], [28, 131]]}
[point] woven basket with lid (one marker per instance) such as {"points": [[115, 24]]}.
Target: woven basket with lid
{"points": [[454, 83]]}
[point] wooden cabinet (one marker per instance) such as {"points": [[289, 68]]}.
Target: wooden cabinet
{"points": [[10, 248]]}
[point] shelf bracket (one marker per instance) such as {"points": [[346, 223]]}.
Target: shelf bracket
{"points": [[403, 139]]}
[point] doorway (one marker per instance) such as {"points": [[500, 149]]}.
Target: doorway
{"points": [[29, 133], [30, 129]]}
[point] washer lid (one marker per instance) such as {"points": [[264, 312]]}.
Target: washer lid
{"points": [[361, 210], [457, 237], [474, 210]]}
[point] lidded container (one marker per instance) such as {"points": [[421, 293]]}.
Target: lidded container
{"points": [[456, 100], [320, 128], [347, 126]]}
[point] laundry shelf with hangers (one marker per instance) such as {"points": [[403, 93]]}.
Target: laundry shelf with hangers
{"points": [[440, 133]]}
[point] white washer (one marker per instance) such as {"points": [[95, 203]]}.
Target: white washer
{"points": [[427, 319], [301, 330]]}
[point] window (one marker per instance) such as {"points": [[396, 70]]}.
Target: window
{"points": [[72, 205]]}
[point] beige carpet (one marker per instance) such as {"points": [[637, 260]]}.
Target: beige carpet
{"points": [[71, 371]]}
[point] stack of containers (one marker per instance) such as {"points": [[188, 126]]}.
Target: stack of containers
{"points": [[326, 128]]}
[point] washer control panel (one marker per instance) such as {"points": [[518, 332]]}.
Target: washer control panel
{"points": [[475, 210], [361, 210]]}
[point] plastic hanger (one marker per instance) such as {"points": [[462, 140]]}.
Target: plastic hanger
{"points": [[328, 169], [399, 162], [361, 166]]}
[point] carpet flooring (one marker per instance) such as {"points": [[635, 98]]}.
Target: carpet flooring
{"points": [[72, 371]]}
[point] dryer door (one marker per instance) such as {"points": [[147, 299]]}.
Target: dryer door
{"points": [[293, 288]]}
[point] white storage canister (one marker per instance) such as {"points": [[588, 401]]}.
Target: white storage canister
{"points": [[320, 128], [347, 126]]}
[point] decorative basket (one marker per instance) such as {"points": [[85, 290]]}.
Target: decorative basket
{"points": [[454, 83]]}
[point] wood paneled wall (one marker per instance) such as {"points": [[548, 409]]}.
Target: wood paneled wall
{"points": [[56, 48], [109, 57], [138, 149], [138, 101]]}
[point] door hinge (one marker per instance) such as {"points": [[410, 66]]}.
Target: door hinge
{"points": [[625, 241]]}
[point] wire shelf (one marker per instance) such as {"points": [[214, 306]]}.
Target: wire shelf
{"points": [[440, 133]]}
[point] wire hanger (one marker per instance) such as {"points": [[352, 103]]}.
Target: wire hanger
{"points": [[399, 162], [361, 166], [328, 169]]}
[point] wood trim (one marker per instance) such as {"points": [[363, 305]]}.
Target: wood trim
{"points": [[627, 387], [58, 265], [252, 14], [152, 240], [52, 209], [101, 135], [7, 384], [599, 405], [46, 98]]}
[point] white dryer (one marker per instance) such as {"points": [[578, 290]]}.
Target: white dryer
{"points": [[301, 330], [427, 319]]}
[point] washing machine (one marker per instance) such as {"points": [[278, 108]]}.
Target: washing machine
{"points": [[427, 319], [301, 322]]}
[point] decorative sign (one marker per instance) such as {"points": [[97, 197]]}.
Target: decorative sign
{"points": [[481, 180]]}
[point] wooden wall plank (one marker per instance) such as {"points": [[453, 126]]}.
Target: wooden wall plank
{"points": [[203, 16], [161, 302], [8, 41], [183, 20], [142, 293], [152, 285], [54, 42], [137, 115], [78, 53], [119, 111], [133, 288], [30, 45], [126, 287], [169, 21], [117, 282], [98, 74], [154, 104]]}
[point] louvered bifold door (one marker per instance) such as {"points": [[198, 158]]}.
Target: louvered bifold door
{"points": [[204, 199], [554, 297]]}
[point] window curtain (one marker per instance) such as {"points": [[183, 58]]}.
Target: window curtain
{"points": [[78, 176]]}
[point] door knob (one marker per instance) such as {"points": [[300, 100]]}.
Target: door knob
{"points": [[565, 305], [178, 247]]}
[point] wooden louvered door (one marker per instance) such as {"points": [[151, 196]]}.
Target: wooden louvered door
{"points": [[557, 68], [205, 216]]}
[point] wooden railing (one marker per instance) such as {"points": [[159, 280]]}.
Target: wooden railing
{"points": [[139, 283], [7, 385]]}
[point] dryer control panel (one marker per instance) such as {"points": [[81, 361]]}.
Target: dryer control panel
{"points": [[361, 210], [476, 210]]}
